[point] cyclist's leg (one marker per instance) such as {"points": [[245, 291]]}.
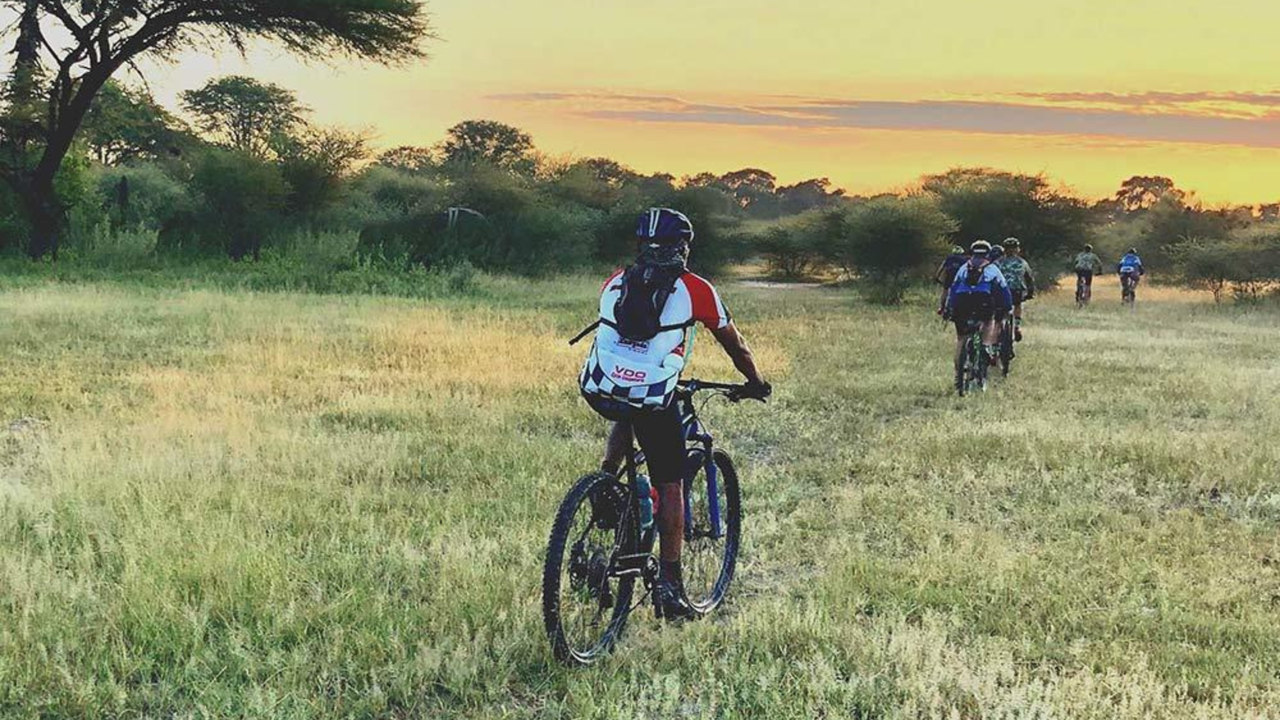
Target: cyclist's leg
{"points": [[991, 335], [962, 335], [615, 447], [661, 437]]}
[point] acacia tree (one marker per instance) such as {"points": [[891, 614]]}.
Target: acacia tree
{"points": [[244, 113], [409, 158], [489, 141], [85, 42], [1142, 192]]}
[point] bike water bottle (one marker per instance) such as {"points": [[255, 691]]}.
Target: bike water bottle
{"points": [[646, 492]]}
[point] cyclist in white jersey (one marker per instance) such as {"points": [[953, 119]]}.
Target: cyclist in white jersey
{"points": [[631, 373]]}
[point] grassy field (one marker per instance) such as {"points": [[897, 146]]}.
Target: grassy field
{"points": [[221, 504]]}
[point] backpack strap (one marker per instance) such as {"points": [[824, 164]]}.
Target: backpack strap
{"points": [[661, 328], [585, 332], [609, 323]]}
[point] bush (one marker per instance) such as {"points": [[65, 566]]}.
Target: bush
{"points": [[1204, 264], [542, 237], [326, 249], [1254, 258], [992, 205], [890, 240], [242, 201], [145, 196], [118, 246], [391, 209], [1247, 262], [797, 248]]}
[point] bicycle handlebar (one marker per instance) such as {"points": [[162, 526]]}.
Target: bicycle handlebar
{"points": [[736, 392]]}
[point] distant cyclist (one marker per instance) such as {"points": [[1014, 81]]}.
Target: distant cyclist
{"points": [[997, 252], [1131, 271], [631, 373], [1022, 284], [979, 294], [1087, 265], [947, 273]]}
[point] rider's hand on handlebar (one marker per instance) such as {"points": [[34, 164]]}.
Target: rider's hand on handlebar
{"points": [[754, 391]]}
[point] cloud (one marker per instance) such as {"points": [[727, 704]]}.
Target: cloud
{"points": [[536, 97], [1148, 99], [1143, 117]]}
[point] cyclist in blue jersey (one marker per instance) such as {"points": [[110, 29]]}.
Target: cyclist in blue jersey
{"points": [[979, 294], [1131, 271]]}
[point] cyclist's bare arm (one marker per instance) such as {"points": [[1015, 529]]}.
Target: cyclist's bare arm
{"points": [[736, 347]]}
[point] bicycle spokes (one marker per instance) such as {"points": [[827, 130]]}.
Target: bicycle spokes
{"points": [[711, 533]]}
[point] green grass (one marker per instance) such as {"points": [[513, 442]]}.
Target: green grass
{"points": [[234, 504]]}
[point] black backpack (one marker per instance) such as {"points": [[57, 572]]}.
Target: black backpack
{"points": [[645, 288], [972, 279]]}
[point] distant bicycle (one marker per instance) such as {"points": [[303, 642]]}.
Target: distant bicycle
{"points": [[1084, 289], [602, 541], [1129, 289], [971, 368], [1007, 353]]}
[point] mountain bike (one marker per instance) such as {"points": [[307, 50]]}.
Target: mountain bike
{"points": [[971, 369], [1084, 290], [1129, 289], [599, 547], [1007, 353]]}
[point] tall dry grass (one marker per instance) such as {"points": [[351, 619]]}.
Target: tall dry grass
{"points": [[235, 505]]}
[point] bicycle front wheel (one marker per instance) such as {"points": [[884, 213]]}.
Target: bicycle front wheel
{"points": [[713, 528], [585, 603]]}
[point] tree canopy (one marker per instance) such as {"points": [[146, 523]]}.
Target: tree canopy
{"points": [[491, 142], [84, 43], [124, 124], [243, 113]]}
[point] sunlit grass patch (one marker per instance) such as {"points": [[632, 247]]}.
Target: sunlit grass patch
{"points": [[229, 504]]}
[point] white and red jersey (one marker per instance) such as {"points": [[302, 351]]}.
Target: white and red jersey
{"points": [[645, 373]]}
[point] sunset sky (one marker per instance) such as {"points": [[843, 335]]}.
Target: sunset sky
{"points": [[871, 94]]}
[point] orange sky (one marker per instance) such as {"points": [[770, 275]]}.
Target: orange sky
{"points": [[871, 94]]}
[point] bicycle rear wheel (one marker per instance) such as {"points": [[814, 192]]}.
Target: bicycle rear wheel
{"points": [[713, 528], [979, 363], [584, 604], [1006, 347]]}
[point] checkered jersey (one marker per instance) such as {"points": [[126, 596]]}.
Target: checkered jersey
{"points": [[644, 374]]}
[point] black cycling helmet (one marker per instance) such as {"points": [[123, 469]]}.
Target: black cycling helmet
{"points": [[1133, 251], [663, 226], [1088, 247], [1012, 243]]}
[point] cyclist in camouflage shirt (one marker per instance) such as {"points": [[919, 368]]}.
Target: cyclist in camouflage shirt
{"points": [[1017, 272]]}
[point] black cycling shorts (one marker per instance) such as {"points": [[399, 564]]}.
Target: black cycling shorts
{"points": [[659, 432], [1086, 276], [1018, 296]]}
